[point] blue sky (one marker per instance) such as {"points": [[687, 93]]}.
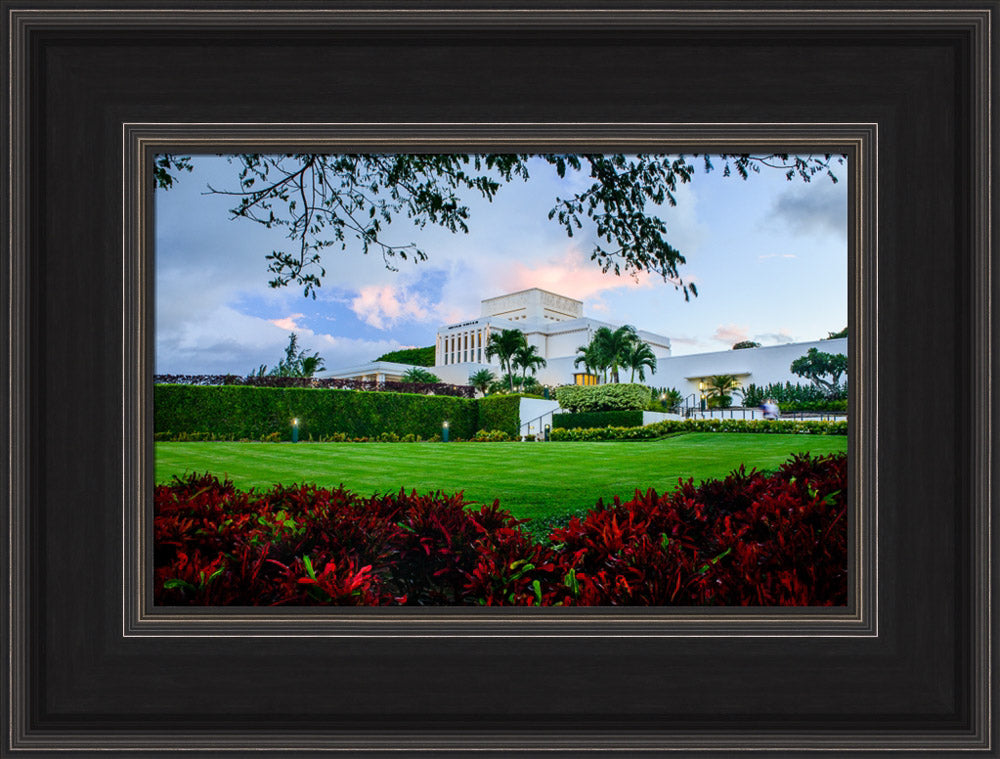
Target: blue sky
{"points": [[769, 258]]}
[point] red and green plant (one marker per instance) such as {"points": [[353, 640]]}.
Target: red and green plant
{"points": [[749, 539]]}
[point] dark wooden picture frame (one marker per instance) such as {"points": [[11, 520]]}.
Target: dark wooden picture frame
{"points": [[96, 89]]}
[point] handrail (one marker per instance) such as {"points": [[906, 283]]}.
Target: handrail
{"points": [[536, 419]]}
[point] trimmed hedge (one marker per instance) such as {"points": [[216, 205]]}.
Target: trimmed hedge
{"points": [[615, 397], [670, 426], [500, 412], [237, 412], [590, 419]]}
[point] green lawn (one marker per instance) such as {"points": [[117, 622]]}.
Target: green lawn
{"points": [[533, 480]]}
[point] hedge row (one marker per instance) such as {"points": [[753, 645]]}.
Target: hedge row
{"points": [[500, 412], [237, 412], [589, 419], [426, 388], [670, 426]]}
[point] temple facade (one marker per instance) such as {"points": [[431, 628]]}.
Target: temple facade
{"points": [[555, 324]]}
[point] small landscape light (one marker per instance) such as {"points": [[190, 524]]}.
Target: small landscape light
{"points": [[295, 430], [444, 431], [547, 430]]}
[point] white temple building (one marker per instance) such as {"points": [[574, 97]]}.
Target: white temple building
{"points": [[555, 324], [552, 323]]}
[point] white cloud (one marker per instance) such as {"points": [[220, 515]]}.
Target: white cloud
{"points": [[384, 306]]}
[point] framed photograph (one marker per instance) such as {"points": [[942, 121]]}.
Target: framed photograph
{"points": [[265, 476], [314, 379]]}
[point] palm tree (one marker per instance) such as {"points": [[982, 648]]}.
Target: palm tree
{"points": [[588, 357], [419, 374], [309, 365], [482, 380], [526, 357], [671, 398], [295, 363], [504, 345], [719, 386], [637, 357], [612, 345]]}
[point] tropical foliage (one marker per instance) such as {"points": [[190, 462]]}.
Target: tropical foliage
{"points": [[419, 374], [296, 363], [742, 344], [611, 350], [797, 397], [719, 387], [750, 539], [527, 358], [504, 345], [668, 399], [482, 380]]}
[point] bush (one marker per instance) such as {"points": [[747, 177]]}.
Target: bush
{"points": [[749, 539], [584, 420], [614, 397], [493, 436], [671, 427], [234, 412]]}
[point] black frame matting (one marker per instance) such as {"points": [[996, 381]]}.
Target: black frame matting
{"points": [[84, 675]]}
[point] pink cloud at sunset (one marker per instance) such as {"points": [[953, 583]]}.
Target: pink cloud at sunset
{"points": [[382, 306], [287, 322], [730, 333], [572, 274]]}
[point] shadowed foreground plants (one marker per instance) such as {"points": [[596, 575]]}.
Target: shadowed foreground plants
{"points": [[748, 539]]}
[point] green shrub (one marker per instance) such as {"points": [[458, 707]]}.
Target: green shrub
{"points": [[492, 436], [791, 395], [670, 426], [233, 412], [614, 397], [500, 412], [588, 419]]}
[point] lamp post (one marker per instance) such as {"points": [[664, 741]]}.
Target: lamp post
{"points": [[548, 429], [663, 401], [444, 431], [295, 430], [701, 389]]}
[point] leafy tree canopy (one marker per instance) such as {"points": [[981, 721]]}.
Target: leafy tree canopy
{"points": [[818, 367], [413, 356], [325, 201], [832, 335], [746, 344]]}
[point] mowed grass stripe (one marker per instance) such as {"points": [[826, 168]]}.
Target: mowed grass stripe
{"points": [[531, 480]]}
